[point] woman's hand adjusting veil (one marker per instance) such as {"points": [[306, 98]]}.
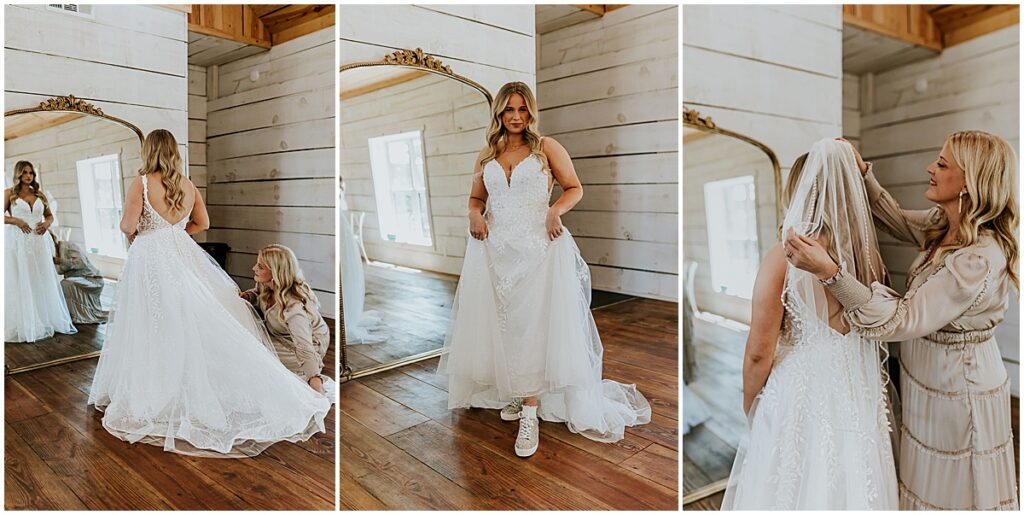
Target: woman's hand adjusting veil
{"points": [[808, 255], [863, 166]]}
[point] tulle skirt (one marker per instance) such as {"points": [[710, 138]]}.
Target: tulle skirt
{"points": [[522, 326], [187, 365], [34, 308], [819, 435], [358, 323]]}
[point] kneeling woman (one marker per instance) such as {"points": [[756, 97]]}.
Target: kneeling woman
{"points": [[291, 313]]}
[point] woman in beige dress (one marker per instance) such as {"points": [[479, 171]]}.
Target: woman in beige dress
{"points": [[82, 283], [291, 313], [956, 441]]}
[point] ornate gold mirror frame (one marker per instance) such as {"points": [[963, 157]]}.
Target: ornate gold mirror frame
{"points": [[72, 104], [420, 61], [68, 104], [694, 120]]}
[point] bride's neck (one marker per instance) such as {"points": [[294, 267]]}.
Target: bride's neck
{"points": [[514, 140], [953, 230]]}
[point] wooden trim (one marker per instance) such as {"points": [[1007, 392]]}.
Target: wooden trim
{"points": [[693, 119], [314, 21], [51, 363], [236, 22], [184, 8], [705, 491], [998, 17], [381, 84], [600, 9], [899, 24], [207, 31]]}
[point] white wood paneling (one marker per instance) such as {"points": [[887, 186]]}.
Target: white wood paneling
{"points": [[493, 45], [197, 132], [269, 153], [129, 60], [772, 73], [974, 85], [608, 92]]}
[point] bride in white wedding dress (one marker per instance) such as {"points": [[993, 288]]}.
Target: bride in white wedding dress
{"points": [[522, 337], [36, 308], [819, 435], [186, 364]]}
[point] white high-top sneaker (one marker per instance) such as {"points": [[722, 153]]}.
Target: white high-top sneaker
{"points": [[512, 411], [529, 432]]}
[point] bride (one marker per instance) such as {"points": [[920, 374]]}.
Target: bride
{"points": [[815, 391], [186, 364], [36, 308], [522, 337]]}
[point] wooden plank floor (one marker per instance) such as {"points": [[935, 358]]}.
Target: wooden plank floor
{"points": [[58, 456], [709, 449], [89, 338], [401, 448], [414, 307]]}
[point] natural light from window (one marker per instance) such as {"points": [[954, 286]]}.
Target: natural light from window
{"points": [[731, 209], [400, 189], [99, 189]]}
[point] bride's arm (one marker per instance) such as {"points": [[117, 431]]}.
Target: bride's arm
{"points": [[765, 324], [200, 220], [564, 172], [13, 220], [132, 208], [478, 201]]}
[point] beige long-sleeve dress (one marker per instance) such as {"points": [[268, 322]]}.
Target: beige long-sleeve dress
{"points": [[956, 449], [82, 284], [300, 340]]}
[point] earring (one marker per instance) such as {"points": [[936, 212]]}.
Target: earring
{"points": [[960, 203]]}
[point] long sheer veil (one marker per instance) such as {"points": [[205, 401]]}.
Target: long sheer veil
{"points": [[830, 204]]}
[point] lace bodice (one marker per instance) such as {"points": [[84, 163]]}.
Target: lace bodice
{"points": [[150, 220], [517, 205], [32, 215]]}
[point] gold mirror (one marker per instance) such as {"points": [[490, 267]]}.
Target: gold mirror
{"points": [[732, 198], [410, 129], [59, 285]]}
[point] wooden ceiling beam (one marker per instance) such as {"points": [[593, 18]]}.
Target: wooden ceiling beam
{"points": [[235, 22], [932, 26]]}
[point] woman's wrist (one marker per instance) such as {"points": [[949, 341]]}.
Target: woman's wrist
{"points": [[829, 274]]}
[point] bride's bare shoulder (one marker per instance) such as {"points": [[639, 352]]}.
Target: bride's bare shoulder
{"points": [[773, 264]]}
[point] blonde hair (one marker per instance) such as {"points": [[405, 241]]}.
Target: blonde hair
{"points": [[794, 178], [288, 285], [497, 136], [19, 169], [160, 154], [990, 171]]}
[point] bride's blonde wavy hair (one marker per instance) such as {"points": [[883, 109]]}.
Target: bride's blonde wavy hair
{"points": [[497, 136], [288, 284], [990, 172], [160, 154], [19, 170]]}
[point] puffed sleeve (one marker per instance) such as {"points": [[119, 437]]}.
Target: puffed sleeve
{"points": [[300, 328], [903, 224], [881, 313]]}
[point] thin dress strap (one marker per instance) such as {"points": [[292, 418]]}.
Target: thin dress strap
{"points": [[145, 188]]}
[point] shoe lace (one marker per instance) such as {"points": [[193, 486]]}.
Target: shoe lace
{"points": [[526, 427]]}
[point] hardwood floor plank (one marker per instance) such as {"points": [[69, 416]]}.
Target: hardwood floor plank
{"points": [[379, 473], [661, 430], [19, 403], [29, 484], [376, 411], [497, 480], [657, 463]]}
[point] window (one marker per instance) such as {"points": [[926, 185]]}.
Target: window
{"points": [[399, 185], [99, 188], [731, 210]]}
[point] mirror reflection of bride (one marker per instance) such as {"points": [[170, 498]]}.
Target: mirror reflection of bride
{"points": [[35, 303], [187, 364]]}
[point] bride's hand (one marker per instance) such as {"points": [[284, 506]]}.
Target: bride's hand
{"points": [[808, 255], [860, 160], [477, 226], [553, 224]]}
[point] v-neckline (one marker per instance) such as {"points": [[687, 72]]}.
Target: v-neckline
{"points": [[511, 171], [31, 207]]}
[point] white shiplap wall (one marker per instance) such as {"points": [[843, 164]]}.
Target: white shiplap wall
{"points": [[129, 60], [773, 73], [490, 44], [270, 158], [974, 85], [453, 119], [608, 91], [197, 132]]}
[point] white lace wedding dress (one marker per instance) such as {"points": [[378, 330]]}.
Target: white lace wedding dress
{"points": [[819, 435], [186, 364], [521, 321], [35, 307]]}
